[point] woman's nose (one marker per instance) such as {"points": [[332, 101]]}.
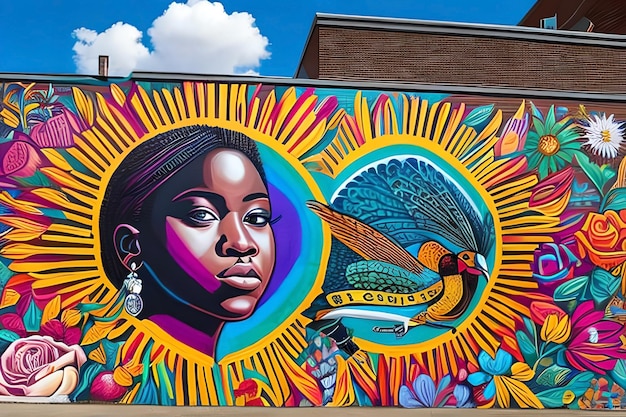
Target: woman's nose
{"points": [[235, 240]]}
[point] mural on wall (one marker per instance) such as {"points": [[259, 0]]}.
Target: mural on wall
{"points": [[231, 244]]}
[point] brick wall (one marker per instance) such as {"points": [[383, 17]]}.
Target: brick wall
{"points": [[367, 54]]}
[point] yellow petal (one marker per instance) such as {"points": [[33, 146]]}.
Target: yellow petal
{"points": [[98, 355], [522, 372], [118, 94], [509, 143], [122, 377], [503, 397], [563, 330], [71, 317], [97, 332], [84, 105], [568, 397], [548, 327], [52, 310], [524, 397], [10, 297]]}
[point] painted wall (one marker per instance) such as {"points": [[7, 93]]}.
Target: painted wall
{"points": [[224, 244]]}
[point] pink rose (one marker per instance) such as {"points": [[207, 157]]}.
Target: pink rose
{"points": [[39, 366]]}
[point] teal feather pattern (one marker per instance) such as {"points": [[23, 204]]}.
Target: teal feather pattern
{"points": [[412, 202]]}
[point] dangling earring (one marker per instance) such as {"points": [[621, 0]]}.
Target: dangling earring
{"points": [[133, 303]]}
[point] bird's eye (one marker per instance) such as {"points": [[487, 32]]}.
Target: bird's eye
{"points": [[465, 257]]}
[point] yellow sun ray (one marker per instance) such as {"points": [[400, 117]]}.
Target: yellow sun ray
{"points": [[120, 121]]}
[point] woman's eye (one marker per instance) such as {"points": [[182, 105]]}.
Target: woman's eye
{"points": [[201, 216], [257, 218]]}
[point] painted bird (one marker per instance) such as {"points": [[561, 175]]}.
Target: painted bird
{"points": [[387, 209]]}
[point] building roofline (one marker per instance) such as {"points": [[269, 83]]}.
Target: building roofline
{"points": [[470, 29], [464, 29], [530, 11], [306, 45], [338, 84]]}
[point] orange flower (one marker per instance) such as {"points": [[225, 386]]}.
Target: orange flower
{"points": [[603, 238]]}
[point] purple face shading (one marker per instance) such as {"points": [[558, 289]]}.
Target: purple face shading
{"points": [[220, 234]]}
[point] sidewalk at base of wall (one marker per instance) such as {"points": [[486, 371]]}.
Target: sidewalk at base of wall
{"points": [[98, 410]]}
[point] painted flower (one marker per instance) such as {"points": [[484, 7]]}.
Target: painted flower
{"points": [[552, 195], [602, 238], [595, 343], [423, 393], [550, 144], [556, 329], [604, 136], [514, 132], [39, 366], [56, 132], [105, 388], [540, 310], [554, 262], [504, 379], [19, 157]]}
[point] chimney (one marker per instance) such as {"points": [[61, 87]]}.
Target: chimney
{"points": [[103, 65]]}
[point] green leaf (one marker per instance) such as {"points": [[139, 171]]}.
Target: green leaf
{"points": [[619, 373], [36, 180], [478, 115], [110, 350], [553, 376], [554, 397], [6, 338], [574, 289], [603, 286], [166, 390], [593, 172], [88, 373], [86, 308], [614, 200], [530, 326], [32, 317], [529, 350], [5, 275]]}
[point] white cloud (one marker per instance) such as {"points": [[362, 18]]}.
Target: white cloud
{"points": [[194, 37], [121, 42]]}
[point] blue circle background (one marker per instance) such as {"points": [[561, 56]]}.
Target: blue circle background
{"points": [[299, 249]]}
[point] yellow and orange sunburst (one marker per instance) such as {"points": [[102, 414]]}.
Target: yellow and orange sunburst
{"points": [[505, 186], [292, 124]]}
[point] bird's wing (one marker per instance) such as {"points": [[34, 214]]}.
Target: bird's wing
{"points": [[369, 198], [364, 239], [386, 277], [412, 202], [437, 205]]}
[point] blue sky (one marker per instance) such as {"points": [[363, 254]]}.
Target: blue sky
{"points": [[37, 35]]}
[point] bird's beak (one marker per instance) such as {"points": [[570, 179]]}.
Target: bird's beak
{"points": [[481, 264]]}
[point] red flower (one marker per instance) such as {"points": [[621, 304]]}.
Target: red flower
{"points": [[58, 331]]}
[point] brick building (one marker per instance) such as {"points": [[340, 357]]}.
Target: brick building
{"points": [[461, 54]]}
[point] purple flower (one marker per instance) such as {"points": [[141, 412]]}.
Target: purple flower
{"points": [[595, 343], [423, 393], [555, 262]]}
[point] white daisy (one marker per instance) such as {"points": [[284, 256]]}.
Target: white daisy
{"points": [[604, 135]]}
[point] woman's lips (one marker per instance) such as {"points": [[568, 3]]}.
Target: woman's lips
{"points": [[241, 276]]}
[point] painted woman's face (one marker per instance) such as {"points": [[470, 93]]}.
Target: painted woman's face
{"points": [[218, 231]]}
